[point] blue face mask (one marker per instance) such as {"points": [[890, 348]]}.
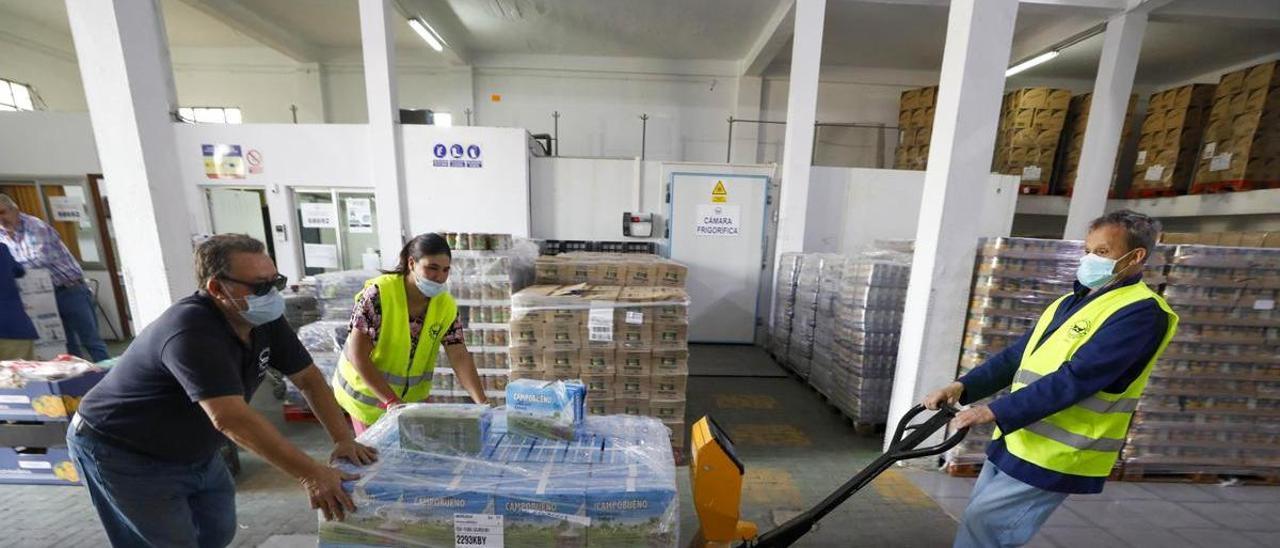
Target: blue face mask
{"points": [[428, 288], [263, 308], [1095, 271]]}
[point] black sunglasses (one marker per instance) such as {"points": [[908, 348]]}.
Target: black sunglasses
{"points": [[262, 288]]}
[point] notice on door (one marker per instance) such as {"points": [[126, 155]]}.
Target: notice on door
{"points": [[718, 220], [318, 215], [359, 216], [320, 255], [69, 209]]}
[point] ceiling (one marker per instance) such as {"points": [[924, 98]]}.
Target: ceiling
{"points": [[886, 34]]}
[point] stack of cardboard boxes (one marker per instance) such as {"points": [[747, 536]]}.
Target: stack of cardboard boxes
{"points": [[36, 289], [1170, 140], [1213, 399], [1073, 142], [1232, 239], [1031, 124], [629, 345], [1242, 140], [915, 128], [804, 322], [616, 269]]}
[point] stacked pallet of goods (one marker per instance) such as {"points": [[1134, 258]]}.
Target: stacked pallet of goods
{"points": [[784, 303], [1073, 142], [1241, 140], [1170, 140], [873, 292], [915, 128], [1031, 123], [805, 313]]}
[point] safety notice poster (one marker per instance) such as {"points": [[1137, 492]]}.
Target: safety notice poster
{"points": [[359, 216], [318, 215], [718, 220]]}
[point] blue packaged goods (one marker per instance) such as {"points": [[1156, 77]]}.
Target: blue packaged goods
{"points": [[547, 508], [546, 409], [444, 427], [631, 510]]}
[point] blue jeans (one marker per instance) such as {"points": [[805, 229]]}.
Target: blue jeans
{"points": [[1003, 511], [143, 501], [80, 322]]}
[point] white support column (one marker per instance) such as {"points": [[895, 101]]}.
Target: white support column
{"points": [[1121, 45], [802, 110], [979, 35], [378, 42], [746, 136], [128, 84]]}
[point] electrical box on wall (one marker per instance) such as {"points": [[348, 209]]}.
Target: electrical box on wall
{"points": [[637, 225]]}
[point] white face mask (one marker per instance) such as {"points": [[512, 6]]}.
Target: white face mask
{"points": [[429, 288], [1095, 271]]}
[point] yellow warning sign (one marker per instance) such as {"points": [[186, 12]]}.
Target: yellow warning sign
{"points": [[719, 195]]}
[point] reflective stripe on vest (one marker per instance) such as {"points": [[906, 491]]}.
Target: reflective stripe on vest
{"points": [[356, 395], [1084, 439]]}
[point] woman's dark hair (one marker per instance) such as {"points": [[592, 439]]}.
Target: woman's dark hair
{"points": [[422, 245]]}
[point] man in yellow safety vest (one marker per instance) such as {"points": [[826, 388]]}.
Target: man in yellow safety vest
{"points": [[1074, 380]]}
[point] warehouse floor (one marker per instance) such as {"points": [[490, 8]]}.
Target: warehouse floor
{"points": [[796, 450]]}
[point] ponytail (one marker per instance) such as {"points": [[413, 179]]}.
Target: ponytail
{"points": [[422, 245]]}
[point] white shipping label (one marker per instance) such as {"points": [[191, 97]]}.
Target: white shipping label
{"points": [[20, 400], [721, 220], [35, 465], [1142, 157], [635, 318], [1264, 304], [318, 215], [477, 531], [600, 324], [1154, 173], [1221, 162], [1031, 173], [1209, 150]]}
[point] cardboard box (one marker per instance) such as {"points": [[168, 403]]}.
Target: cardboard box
{"points": [[633, 337], [50, 466], [635, 362], [596, 361], [670, 387], [670, 335], [639, 387], [47, 401], [679, 433], [561, 336], [546, 270], [527, 358], [525, 333], [642, 275], [672, 274], [568, 272], [668, 410], [607, 273], [562, 364], [600, 386], [631, 406], [670, 362]]}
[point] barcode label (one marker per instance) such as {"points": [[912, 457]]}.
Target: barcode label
{"points": [[600, 324], [1221, 162], [1031, 173], [1154, 173], [1209, 150], [635, 318], [1142, 157]]}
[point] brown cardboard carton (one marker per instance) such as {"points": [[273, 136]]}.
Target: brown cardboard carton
{"points": [[534, 375], [634, 337], [546, 270], [634, 386], [679, 433], [642, 274], [1262, 76], [562, 363], [525, 359], [599, 405], [670, 387], [600, 386], [597, 361], [525, 333], [670, 335], [573, 272], [673, 274], [631, 406], [668, 410], [635, 362], [671, 362], [607, 273], [561, 336]]}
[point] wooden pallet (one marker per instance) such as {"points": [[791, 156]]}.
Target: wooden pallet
{"points": [[1231, 186], [1198, 474], [1143, 193], [971, 470], [293, 413]]}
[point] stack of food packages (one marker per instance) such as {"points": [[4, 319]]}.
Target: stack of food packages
{"points": [[1031, 125], [805, 317], [1242, 138], [1170, 140], [784, 302], [449, 475], [1213, 400], [616, 269], [486, 270], [868, 320], [1073, 141], [1015, 280], [822, 372], [324, 341], [335, 292], [37, 291], [915, 128], [629, 345]]}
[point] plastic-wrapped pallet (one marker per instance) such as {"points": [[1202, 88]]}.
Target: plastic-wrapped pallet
{"points": [[868, 317], [324, 341], [613, 486], [803, 323], [1212, 405], [336, 292], [822, 374], [301, 308], [483, 278], [1015, 280], [784, 303]]}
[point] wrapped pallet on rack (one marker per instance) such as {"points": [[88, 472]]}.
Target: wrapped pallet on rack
{"points": [[1211, 409], [873, 292], [1170, 141], [784, 303], [804, 321], [1241, 149], [1015, 280], [823, 371]]}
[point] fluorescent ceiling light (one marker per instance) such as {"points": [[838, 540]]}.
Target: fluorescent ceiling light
{"points": [[427, 33], [1042, 58]]}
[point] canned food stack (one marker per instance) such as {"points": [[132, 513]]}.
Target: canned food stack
{"points": [[804, 322], [822, 375], [629, 345], [336, 291], [784, 302], [486, 269], [1212, 404], [873, 291], [616, 269]]}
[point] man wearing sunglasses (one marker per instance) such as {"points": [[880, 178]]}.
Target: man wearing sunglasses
{"points": [[146, 439]]}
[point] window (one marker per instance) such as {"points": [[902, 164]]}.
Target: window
{"points": [[15, 96], [209, 115]]}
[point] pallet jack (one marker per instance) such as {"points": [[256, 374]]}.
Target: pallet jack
{"points": [[716, 475]]}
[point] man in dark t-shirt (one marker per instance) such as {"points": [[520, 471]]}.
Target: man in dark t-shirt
{"points": [[146, 438]]}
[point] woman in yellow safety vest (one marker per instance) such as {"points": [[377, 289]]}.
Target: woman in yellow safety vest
{"points": [[400, 320]]}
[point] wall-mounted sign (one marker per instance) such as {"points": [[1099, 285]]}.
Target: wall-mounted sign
{"points": [[318, 215], [359, 216], [456, 155], [69, 209], [718, 220], [254, 159], [223, 161]]}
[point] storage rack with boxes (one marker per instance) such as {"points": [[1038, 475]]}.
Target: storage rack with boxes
{"points": [[1242, 140], [1212, 405], [1073, 143], [628, 340], [1031, 124], [1170, 140], [915, 128]]}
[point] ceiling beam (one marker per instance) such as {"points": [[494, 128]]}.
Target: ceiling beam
{"points": [[776, 34], [248, 22], [445, 22]]}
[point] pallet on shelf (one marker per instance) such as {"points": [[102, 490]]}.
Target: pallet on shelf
{"points": [[1231, 186], [1144, 193]]}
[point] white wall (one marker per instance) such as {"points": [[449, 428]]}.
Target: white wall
{"points": [[584, 198], [47, 144], [492, 198], [260, 81]]}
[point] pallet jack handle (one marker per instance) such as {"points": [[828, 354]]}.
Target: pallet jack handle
{"points": [[903, 446]]}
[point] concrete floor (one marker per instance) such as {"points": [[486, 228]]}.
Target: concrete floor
{"points": [[796, 451]]}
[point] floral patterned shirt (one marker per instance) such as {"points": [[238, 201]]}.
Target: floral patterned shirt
{"points": [[367, 318]]}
